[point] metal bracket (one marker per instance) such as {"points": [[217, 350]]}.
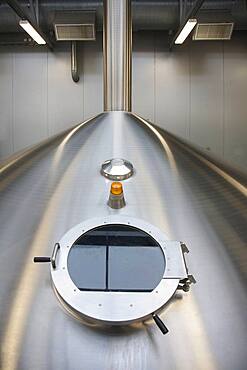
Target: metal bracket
{"points": [[184, 247], [184, 250], [184, 284]]}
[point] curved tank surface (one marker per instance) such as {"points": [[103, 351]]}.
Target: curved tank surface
{"points": [[56, 185]]}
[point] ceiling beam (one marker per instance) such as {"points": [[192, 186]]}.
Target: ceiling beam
{"points": [[16, 38], [191, 14], [18, 9]]}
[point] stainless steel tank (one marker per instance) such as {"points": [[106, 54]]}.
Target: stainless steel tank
{"points": [[47, 190]]}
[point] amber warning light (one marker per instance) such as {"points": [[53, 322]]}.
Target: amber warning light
{"points": [[116, 188], [116, 198]]}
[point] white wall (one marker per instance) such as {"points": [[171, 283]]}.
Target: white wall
{"points": [[198, 92], [38, 97]]}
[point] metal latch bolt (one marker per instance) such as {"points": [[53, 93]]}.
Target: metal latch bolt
{"points": [[184, 284]]}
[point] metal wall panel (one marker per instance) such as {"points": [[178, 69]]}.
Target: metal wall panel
{"points": [[29, 98], [65, 98], [143, 96], [92, 77], [206, 122], [6, 119], [235, 106], [172, 78]]}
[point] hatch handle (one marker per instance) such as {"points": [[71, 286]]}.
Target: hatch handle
{"points": [[52, 259], [54, 255], [164, 330], [41, 259]]}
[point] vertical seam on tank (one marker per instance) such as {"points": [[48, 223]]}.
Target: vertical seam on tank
{"points": [[13, 102], [223, 99], [189, 125], [107, 263], [12, 99], [107, 269], [82, 78], [154, 107], [47, 95]]}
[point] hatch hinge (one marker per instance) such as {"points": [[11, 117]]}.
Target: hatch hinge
{"points": [[184, 284]]}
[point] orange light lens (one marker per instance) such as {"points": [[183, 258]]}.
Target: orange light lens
{"points": [[116, 188]]}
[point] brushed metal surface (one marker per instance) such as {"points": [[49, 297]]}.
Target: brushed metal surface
{"points": [[59, 185]]}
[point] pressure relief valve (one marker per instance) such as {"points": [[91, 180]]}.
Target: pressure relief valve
{"points": [[116, 198]]}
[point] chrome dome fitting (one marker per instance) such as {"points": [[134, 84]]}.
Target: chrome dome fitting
{"points": [[117, 169]]}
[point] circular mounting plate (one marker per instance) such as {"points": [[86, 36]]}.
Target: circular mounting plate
{"points": [[118, 307], [117, 169]]}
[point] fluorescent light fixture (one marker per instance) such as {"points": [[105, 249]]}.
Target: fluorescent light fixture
{"points": [[186, 31], [32, 32]]}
